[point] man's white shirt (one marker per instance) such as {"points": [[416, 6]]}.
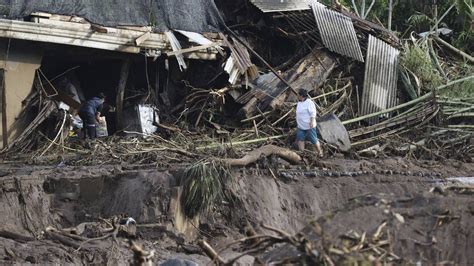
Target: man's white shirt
{"points": [[305, 111]]}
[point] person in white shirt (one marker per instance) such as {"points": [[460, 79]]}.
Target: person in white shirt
{"points": [[306, 121]]}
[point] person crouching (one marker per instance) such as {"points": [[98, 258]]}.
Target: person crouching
{"points": [[90, 115], [306, 122]]}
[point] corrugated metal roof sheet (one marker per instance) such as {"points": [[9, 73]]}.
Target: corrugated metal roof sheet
{"points": [[281, 5], [381, 75], [337, 32]]}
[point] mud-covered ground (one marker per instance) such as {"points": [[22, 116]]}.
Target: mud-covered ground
{"points": [[424, 217]]}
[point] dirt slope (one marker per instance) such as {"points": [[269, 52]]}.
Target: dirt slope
{"points": [[341, 195]]}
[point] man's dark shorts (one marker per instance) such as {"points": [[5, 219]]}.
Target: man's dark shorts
{"points": [[310, 134]]}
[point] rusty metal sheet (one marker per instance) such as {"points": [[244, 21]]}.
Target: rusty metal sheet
{"points": [[337, 32], [381, 75], [281, 5]]}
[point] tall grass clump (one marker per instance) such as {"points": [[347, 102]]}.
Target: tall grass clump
{"points": [[416, 58], [203, 186]]}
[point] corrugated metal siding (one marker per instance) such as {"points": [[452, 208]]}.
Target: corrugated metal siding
{"points": [[337, 32], [381, 75], [281, 5]]}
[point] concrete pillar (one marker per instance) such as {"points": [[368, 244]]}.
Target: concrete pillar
{"points": [[19, 61]]}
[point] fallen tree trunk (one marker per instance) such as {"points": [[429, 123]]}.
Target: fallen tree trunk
{"points": [[253, 156]]}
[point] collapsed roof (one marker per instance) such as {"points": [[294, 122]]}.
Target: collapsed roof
{"points": [[196, 16]]}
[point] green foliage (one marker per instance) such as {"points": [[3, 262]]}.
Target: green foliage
{"points": [[420, 22], [416, 58], [203, 185], [465, 10], [418, 16], [378, 11], [465, 41], [462, 90]]}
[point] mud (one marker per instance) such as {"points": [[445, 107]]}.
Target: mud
{"points": [[341, 195]]}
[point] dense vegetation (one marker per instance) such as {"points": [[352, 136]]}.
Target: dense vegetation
{"points": [[420, 16]]}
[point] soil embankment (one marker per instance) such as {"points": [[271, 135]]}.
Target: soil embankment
{"points": [[341, 195]]}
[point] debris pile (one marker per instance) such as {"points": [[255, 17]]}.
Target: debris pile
{"points": [[400, 104]]}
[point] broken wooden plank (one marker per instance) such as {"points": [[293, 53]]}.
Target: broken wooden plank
{"points": [[269, 92], [58, 95], [143, 38], [77, 34], [192, 49]]}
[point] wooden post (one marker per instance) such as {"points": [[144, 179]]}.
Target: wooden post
{"points": [[4, 109], [124, 71]]}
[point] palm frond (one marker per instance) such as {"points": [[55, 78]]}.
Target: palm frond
{"points": [[203, 185]]}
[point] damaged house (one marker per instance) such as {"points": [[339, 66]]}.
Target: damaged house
{"points": [[68, 53], [58, 55], [226, 64]]}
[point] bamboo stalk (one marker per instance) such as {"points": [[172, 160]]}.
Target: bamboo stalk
{"points": [[454, 49], [435, 59], [283, 117], [60, 132], [461, 126], [461, 115], [211, 146], [451, 102], [256, 129], [255, 117], [332, 92], [412, 102]]}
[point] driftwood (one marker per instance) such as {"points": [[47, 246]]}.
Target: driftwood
{"points": [[141, 256], [265, 151], [15, 236], [210, 252]]}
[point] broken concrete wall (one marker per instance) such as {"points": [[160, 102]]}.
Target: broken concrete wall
{"points": [[19, 61]]}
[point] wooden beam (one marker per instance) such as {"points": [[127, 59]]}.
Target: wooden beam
{"points": [[87, 35], [141, 39], [124, 71], [77, 34], [193, 49]]}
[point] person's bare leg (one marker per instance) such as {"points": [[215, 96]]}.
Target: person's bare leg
{"points": [[319, 149], [300, 145]]}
